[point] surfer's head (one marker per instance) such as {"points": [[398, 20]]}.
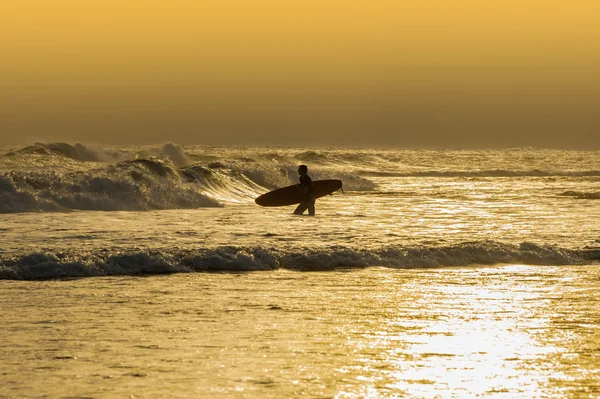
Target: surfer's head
{"points": [[302, 169]]}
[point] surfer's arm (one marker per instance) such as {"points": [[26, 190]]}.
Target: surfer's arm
{"points": [[302, 188], [305, 184]]}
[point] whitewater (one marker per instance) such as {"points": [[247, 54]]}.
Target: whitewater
{"points": [[77, 210], [149, 271]]}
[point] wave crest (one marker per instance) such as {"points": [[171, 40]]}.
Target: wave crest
{"points": [[59, 265], [150, 183], [142, 184], [86, 153], [78, 152]]}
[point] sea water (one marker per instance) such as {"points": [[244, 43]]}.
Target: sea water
{"points": [[149, 272]]}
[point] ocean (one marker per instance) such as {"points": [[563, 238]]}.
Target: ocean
{"points": [[149, 271]]}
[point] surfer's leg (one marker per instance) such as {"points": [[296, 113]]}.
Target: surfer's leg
{"points": [[301, 208], [311, 207]]}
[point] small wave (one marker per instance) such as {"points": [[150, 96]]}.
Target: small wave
{"points": [[483, 173], [343, 157], [581, 195], [352, 182], [171, 151], [267, 174], [271, 175], [314, 156], [36, 266]]}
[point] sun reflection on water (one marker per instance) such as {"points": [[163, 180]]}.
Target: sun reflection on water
{"points": [[481, 342], [480, 332]]}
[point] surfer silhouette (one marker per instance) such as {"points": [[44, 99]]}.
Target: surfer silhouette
{"points": [[308, 190]]}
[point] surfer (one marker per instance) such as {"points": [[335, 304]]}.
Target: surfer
{"points": [[308, 190]]}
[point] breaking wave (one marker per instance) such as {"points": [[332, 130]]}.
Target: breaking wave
{"points": [[139, 185], [142, 184], [271, 175], [61, 177], [36, 266]]}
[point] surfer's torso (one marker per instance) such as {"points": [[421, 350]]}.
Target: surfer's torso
{"points": [[306, 184]]}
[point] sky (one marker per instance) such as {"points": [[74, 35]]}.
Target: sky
{"points": [[427, 73]]}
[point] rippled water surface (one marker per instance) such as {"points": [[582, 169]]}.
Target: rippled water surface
{"points": [[475, 273], [494, 332]]}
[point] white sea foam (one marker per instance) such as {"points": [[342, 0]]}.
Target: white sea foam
{"points": [[142, 184], [229, 258], [62, 177]]}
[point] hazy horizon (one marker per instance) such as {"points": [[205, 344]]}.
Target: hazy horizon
{"points": [[349, 74]]}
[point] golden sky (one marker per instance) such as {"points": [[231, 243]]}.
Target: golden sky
{"points": [[429, 73]]}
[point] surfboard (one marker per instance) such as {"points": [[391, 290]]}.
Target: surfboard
{"points": [[291, 195]]}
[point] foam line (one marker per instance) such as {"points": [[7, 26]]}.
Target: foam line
{"points": [[36, 266]]}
